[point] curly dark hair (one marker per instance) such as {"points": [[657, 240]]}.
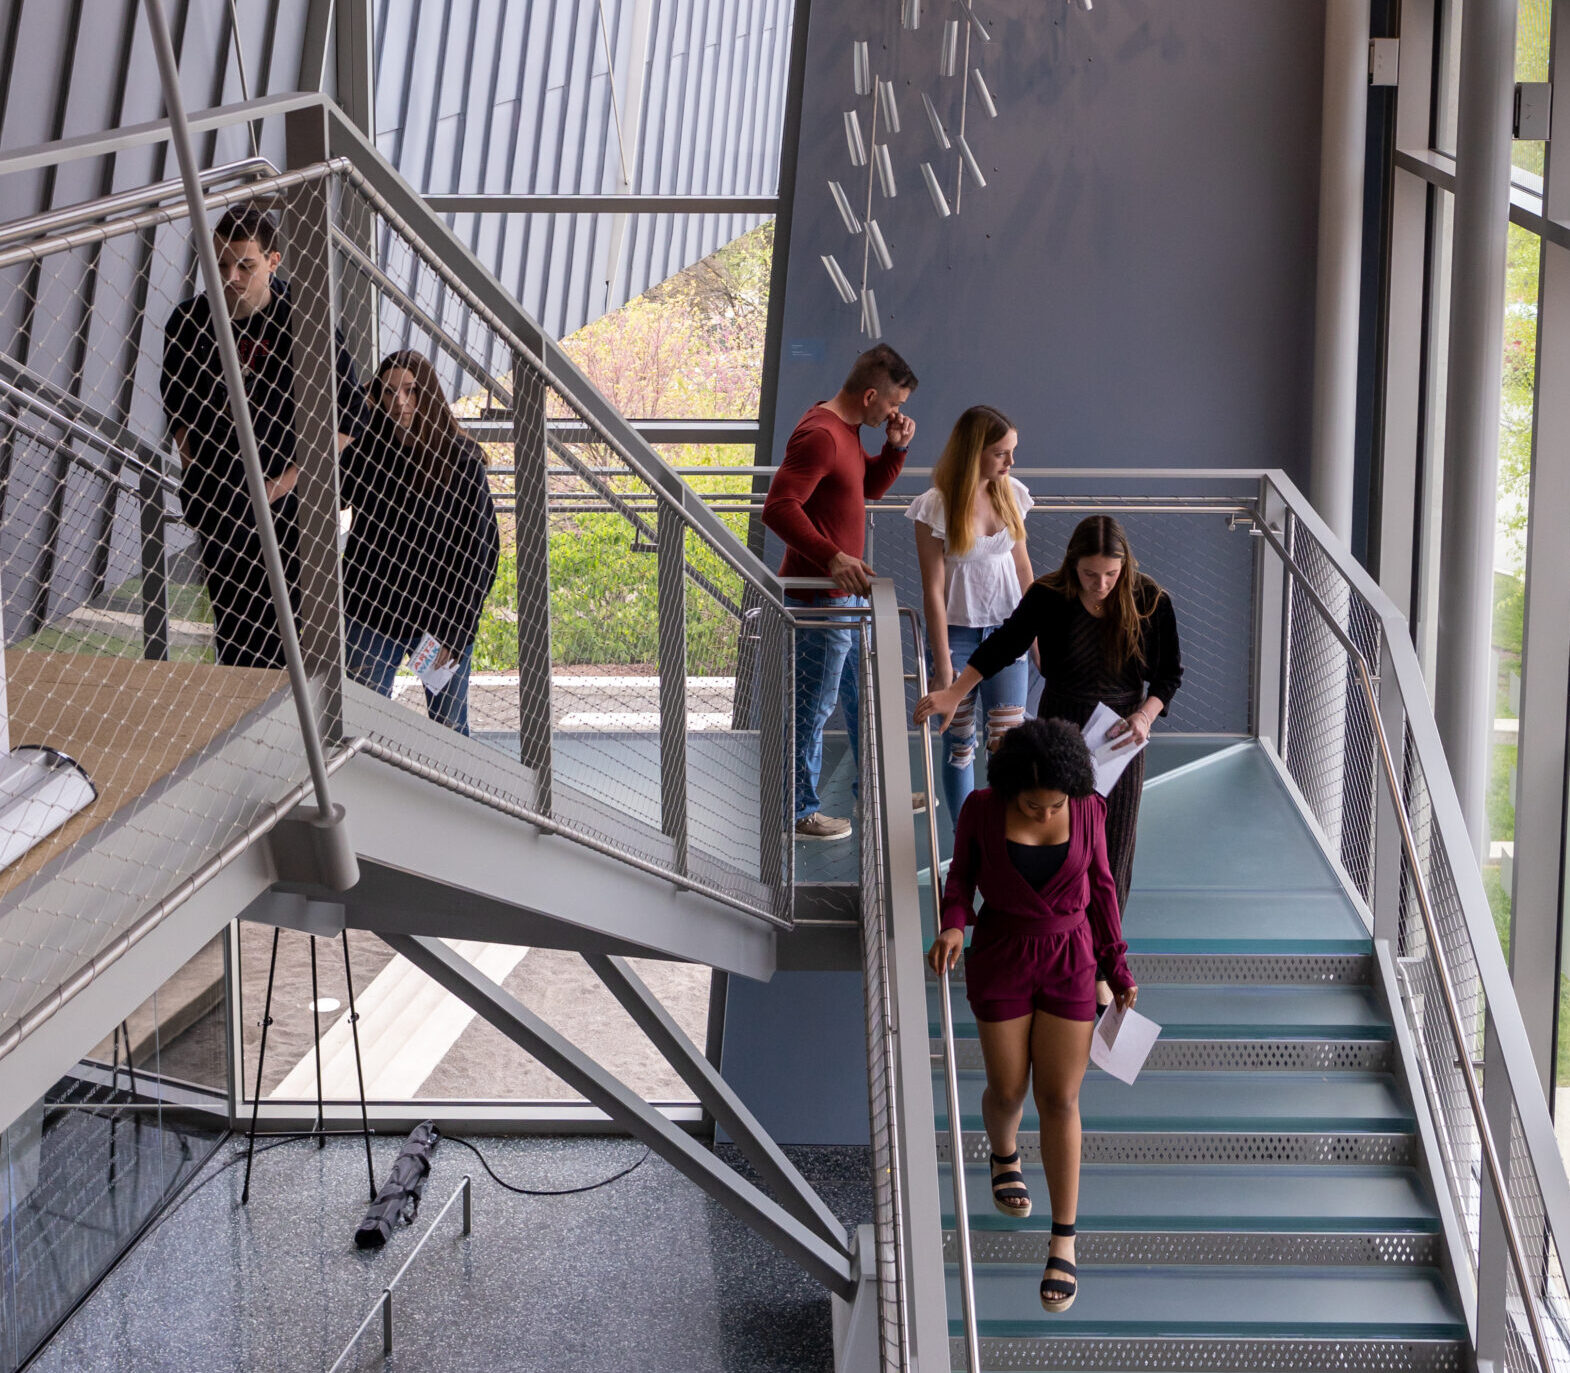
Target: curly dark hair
{"points": [[1041, 755]]}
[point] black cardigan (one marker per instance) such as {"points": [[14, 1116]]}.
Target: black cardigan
{"points": [[417, 561], [1046, 616]]}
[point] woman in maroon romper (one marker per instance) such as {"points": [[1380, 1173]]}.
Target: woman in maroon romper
{"points": [[1034, 843]]}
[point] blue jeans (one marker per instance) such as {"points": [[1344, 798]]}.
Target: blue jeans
{"points": [[373, 659], [1003, 699], [828, 670]]}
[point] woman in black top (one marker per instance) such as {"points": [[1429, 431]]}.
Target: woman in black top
{"points": [[423, 547], [1106, 632]]}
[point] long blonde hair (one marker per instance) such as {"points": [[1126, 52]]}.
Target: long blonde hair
{"points": [[958, 477]]}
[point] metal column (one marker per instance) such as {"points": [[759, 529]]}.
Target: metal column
{"points": [[1343, 133], [1463, 686]]}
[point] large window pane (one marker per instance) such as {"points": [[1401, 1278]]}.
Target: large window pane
{"points": [[1531, 64], [1515, 453]]}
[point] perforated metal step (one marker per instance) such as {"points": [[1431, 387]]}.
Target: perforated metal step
{"points": [[1234, 1055], [1200, 1010], [1277, 969], [1194, 1198], [1212, 1102], [1149, 1248], [1396, 1148], [1216, 1303], [1231, 1355]]}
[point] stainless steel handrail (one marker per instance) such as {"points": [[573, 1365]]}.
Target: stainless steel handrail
{"points": [[967, 1276], [1448, 996], [164, 214], [87, 211], [85, 434], [738, 558], [384, 1302]]}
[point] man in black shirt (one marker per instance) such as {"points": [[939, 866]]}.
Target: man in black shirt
{"points": [[196, 403]]}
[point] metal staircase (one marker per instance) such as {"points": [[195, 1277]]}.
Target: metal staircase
{"points": [[1260, 1196]]}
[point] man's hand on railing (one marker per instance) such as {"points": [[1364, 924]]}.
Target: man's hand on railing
{"points": [[851, 574], [945, 950]]}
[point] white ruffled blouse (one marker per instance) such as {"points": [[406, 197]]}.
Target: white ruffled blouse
{"points": [[982, 586]]}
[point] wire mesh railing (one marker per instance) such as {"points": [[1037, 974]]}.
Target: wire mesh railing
{"points": [[626, 665], [1358, 739], [627, 659]]}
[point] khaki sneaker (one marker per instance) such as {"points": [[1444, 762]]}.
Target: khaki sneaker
{"points": [[820, 826]]}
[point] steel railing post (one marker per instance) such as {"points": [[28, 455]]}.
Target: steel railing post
{"points": [[1387, 884], [308, 265], [773, 699], [670, 537], [1269, 614], [531, 548], [340, 869], [155, 573], [1493, 1251]]}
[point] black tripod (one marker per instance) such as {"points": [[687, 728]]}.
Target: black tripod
{"points": [[320, 1128]]}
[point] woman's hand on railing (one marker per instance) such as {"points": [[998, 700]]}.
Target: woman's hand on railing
{"points": [[945, 950], [939, 705]]}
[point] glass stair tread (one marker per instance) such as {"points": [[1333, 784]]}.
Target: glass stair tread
{"points": [[1232, 1011], [1201, 1301], [1229, 824], [1265, 920], [1212, 1101], [1325, 1199]]}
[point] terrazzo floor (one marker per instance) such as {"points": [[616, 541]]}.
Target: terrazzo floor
{"points": [[644, 1274]]}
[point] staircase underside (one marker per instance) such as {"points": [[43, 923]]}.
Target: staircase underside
{"points": [[118, 912]]}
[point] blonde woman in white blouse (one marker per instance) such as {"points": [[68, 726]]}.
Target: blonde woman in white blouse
{"points": [[970, 541]]}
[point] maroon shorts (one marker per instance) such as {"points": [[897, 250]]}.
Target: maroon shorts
{"points": [[1009, 974]]}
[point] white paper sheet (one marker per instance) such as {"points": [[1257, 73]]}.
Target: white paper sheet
{"points": [[1108, 760], [1121, 1042], [423, 663]]}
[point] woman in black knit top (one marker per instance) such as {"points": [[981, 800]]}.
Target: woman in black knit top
{"points": [[1106, 632], [423, 548]]}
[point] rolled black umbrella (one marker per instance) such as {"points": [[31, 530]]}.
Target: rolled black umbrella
{"points": [[398, 1201]]}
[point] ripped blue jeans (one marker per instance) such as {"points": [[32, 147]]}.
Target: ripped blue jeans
{"points": [[1002, 697]]}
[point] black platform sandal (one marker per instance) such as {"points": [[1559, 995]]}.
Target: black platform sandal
{"points": [[1057, 1294], [1010, 1196]]}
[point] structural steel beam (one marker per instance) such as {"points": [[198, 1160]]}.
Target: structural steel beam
{"points": [[729, 1112], [609, 202], [827, 1264]]}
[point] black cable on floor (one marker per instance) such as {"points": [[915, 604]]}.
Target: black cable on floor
{"points": [[540, 1192]]}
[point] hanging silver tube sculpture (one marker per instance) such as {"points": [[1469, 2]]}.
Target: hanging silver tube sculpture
{"points": [[938, 131], [910, 14], [861, 66], [948, 57], [939, 201], [982, 93], [880, 249], [840, 280], [971, 165], [889, 108], [858, 149], [884, 161], [842, 204]]}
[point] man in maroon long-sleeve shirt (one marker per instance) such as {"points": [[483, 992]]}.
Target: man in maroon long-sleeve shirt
{"points": [[817, 504]]}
